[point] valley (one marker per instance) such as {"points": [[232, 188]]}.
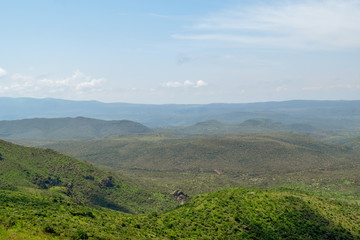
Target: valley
{"points": [[84, 178], [206, 163]]}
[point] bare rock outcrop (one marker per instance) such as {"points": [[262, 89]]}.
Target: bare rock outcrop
{"points": [[180, 196]]}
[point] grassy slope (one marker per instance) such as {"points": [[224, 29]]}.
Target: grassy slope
{"points": [[50, 173], [167, 163], [237, 153], [228, 214], [338, 184]]}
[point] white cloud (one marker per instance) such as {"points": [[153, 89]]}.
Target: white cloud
{"points": [[77, 81], [2, 72], [89, 84], [200, 83], [77, 84], [307, 24], [187, 83]]}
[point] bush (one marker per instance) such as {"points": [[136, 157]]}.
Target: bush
{"points": [[80, 234], [49, 229]]}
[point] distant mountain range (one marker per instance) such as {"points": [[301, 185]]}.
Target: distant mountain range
{"points": [[326, 115]]}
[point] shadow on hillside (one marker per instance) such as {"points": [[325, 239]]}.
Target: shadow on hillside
{"points": [[102, 202], [296, 221]]}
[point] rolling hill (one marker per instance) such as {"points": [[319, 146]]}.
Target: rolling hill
{"points": [[201, 164], [242, 153], [67, 128], [48, 173], [236, 213]]}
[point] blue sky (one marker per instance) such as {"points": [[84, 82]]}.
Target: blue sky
{"points": [[180, 51]]}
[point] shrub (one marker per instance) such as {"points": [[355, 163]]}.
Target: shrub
{"points": [[80, 234], [49, 229]]}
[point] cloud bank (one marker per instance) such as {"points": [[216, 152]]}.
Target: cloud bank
{"points": [[75, 85], [317, 24]]}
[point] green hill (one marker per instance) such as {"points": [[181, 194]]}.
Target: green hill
{"points": [[245, 153], [46, 172], [227, 214], [67, 128], [206, 163]]}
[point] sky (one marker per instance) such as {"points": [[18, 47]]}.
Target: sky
{"points": [[188, 51]]}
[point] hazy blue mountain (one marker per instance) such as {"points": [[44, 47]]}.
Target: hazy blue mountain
{"points": [[250, 125], [320, 114], [67, 128]]}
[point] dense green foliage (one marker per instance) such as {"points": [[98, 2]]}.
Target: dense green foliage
{"points": [[236, 153], [227, 214], [46, 172], [254, 214], [47, 195], [207, 163], [342, 184], [67, 128]]}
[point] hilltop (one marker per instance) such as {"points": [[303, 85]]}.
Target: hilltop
{"points": [[67, 128]]}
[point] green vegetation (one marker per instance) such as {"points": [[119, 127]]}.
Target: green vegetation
{"points": [[47, 173], [47, 195], [313, 186], [227, 214], [340, 184], [236, 154], [206, 163]]}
